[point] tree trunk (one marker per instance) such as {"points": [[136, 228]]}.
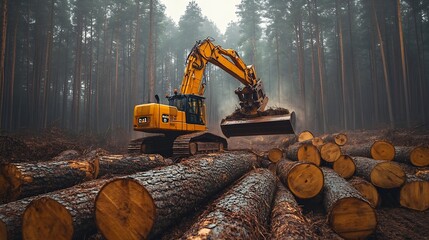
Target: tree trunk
{"points": [[349, 214], [303, 152], [151, 52], [66, 214], [30, 179], [379, 150], [2, 58], [367, 190], [241, 213], [415, 193], [330, 152], [304, 180], [142, 194], [384, 174], [417, 156], [344, 166], [287, 220], [121, 165]]}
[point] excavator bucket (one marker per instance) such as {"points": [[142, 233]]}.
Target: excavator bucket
{"points": [[264, 125]]}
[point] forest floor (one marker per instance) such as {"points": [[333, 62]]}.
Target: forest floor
{"points": [[394, 222]]}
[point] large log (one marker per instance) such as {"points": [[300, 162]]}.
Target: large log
{"points": [[127, 208], [417, 156], [11, 218], [344, 166], [287, 221], [367, 190], [304, 151], [304, 179], [339, 138], [384, 174], [241, 213], [30, 179], [415, 193], [330, 152], [378, 150], [63, 214], [124, 164], [349, 214]]}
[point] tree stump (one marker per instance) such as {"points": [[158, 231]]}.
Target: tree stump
{"points": [[415, 193], [304, 179], [63, 214], [379, 150], [384, 174], [305, 152], [417, 156], [287, 221], [367, 190], [344, 166], [349, 214], [241, 213], [127, 208]]}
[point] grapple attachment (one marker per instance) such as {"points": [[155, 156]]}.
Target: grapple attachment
{"points": [[263, 125]]}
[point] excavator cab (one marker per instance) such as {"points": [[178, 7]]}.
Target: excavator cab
{"points": [[192, 105]]}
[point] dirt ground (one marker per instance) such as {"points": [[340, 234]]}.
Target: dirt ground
{"points": [[394, 222]]}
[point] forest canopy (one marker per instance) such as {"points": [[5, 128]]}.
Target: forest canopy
{"points": [[82, 65]]}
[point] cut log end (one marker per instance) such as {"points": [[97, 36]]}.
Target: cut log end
{"points": [[45, 218], [388, 175], [420, 156], [330, 152], [367, 190], [309, 153], [340, 139], [305, 180], [304, 136], [275, 155], [352, 218], [344, 166], [124, 209], [317, 141], [414, 195], [382, 150]]}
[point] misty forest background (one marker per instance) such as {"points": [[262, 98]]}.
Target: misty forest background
{"points": [[82, 65]]}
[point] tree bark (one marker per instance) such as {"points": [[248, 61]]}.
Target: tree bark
{"points": [[11, 218], [30, 179], [379, 150], [241, 213], [384, 174], [415, 193], [349, 214], [63, 214], [367, 190], [304, 179], [417, 156], [303, 152], [344, 166], [287, 220], [121, 165], [171, 192]]}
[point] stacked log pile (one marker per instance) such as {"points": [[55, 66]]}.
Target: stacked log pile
{"points": [[143, 196]]}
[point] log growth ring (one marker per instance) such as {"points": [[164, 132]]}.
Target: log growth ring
{"points": [[419, 156], [45, 218], [305, 180], [388, 175], [124, 209], [382, 150]]}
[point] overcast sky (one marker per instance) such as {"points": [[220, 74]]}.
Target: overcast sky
{"points": [[221, 12]]}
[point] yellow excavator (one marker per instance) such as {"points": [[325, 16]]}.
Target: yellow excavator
{"points": [[182, 124]]}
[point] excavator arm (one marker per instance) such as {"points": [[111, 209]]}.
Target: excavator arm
{"points": [[252, 98]]}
